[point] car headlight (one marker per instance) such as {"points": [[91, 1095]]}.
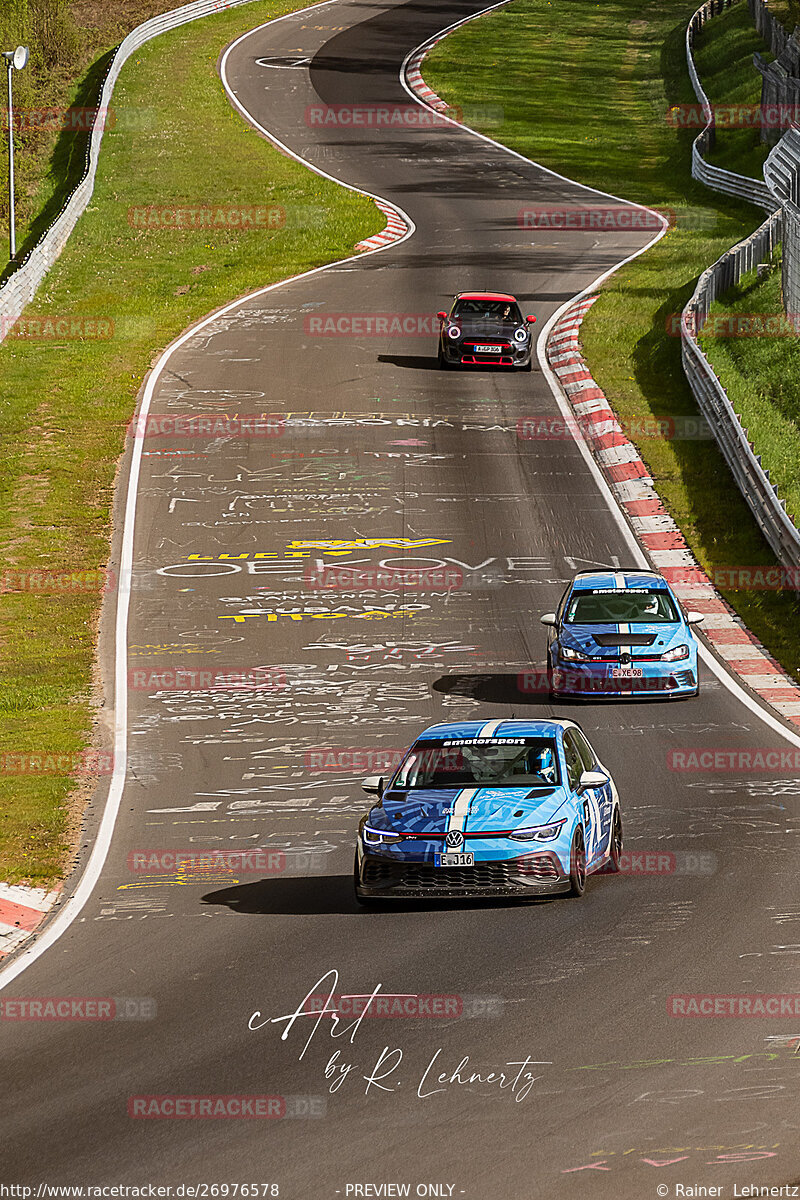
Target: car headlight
{"points": [[570, 655], [539, 833], [453, 332], [379, 837], [676, 653], [520, 335]]}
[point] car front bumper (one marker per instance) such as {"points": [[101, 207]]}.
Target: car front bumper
{"points": [[399, 878], [595, 681], [465, 355]]}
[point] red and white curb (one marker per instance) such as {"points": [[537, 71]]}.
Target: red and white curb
{"points": [[418, 85], [22, 909], [395, 229], [655, 529]]}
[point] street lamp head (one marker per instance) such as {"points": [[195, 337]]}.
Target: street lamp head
{"points": [[17, 58]]}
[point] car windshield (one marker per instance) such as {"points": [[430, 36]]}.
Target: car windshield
{"points": [[612, 606], [509, 762], [487, 310]]}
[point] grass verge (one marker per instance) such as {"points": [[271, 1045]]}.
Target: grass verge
{"points": [[761, 373], [787, 12], [724, 58], [585, 89], [65, 403]]}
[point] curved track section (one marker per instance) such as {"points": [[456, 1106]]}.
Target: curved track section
{"points": [[378, 458]]}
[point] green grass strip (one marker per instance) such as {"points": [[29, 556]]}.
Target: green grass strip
{"points": [[65, 404], [760, 367], [724, 59]]}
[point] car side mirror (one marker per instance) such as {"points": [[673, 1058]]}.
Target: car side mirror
{"points": [[549, 619], [442, 316], [694, 618], [373, 784], [591, 779], [531, 320]]}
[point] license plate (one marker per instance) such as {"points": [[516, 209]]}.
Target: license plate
{"points": [[487, 349], [455, 860], [626, 673]]}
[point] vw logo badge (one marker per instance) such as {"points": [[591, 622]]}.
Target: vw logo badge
{"points": [[455, 838]]}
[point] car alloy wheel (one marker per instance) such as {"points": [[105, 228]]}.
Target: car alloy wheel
{"points": [[615, 845], [577, 864]]}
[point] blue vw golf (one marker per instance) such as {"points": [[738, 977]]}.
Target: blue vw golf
{"points": [[621, 633], [494, 808]]}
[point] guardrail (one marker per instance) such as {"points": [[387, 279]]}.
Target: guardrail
{"points": [[782, 173], [20, 288], [744, 187], [751, 478], [768, 25]]}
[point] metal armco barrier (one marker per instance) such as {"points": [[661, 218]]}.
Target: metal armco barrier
{"points": [[768, 26], [744, 187], [751, 478], [782, 173], [21, 287]]}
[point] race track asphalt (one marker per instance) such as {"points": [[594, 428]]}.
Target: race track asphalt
{"points": [[371, 443]]}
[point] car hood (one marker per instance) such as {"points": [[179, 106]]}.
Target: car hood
{"points": [[641, 638], [497, 809]]}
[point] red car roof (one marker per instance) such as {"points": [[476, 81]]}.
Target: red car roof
{"points": [[485, 296]]}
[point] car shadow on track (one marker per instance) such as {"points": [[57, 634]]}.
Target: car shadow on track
{"points": [[412, 362], [497, 689], [318, 894], [420, 362], [299, 895]]}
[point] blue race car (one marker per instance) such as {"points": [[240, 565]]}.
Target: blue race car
{"points": [[621, 633], [497, 808]]}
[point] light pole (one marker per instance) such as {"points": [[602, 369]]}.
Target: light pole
{"points": [[15, 61]]}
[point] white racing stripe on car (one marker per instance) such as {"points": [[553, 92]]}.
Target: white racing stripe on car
{"points": [[490, 728], [458, 817], [592, 824], [624, 627], [619, 582]]}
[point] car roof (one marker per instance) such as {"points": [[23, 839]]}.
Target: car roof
{"points": [[494, 729], [485, 296], [619, 580]]}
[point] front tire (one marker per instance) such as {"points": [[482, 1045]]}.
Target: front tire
{"points": [[615, 845], [577, 864], [444, 365]]}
